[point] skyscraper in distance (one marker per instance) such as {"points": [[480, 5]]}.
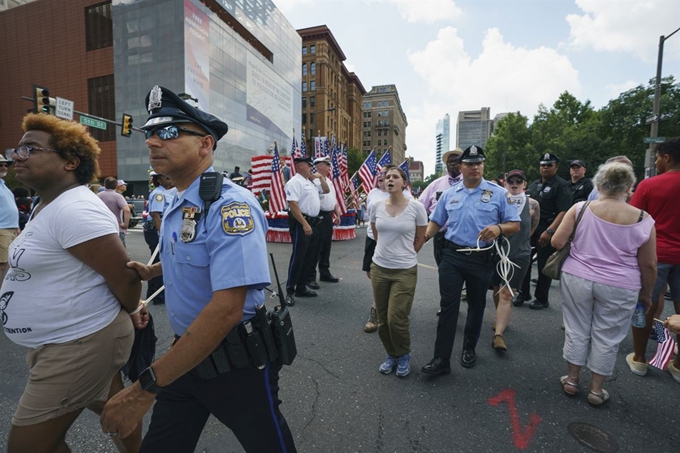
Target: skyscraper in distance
{"points": [[443, 140]]}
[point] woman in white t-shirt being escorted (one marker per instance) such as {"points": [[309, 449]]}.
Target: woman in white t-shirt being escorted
{"points": [[398, 225]]}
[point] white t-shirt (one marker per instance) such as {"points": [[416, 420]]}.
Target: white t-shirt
{"points": [[378, 195], [305, 193], [394, 249], [48, 295]]}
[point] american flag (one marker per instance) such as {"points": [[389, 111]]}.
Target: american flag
{"points": [[354, 189], [386, 159], [404, 166], [337, 183], [294, 152], [344, 171], [664, 348], [369, 172], [277, 197], [303, 145]]}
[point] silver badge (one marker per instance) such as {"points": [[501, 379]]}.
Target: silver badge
{"points": [[546, 156], [155, 98], [188, 231], [486, 195], [473, 150]]}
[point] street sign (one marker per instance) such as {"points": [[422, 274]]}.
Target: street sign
{"points": [[653, 139], [64, 109], [87, 121]]}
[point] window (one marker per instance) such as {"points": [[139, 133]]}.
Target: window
{"points": [[304, 86], [312, 69], [386, 113], [312, 49], [379, 123], [101, 101], [367, 105], [312, 85], [98, 26], [304, 69], [379, 112], [304, 102], [312, 101], [304, 118], [369, 114], [311, 119], [304, 50]]}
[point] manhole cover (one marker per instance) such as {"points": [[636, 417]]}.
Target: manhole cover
{"points": [[593, 437]]}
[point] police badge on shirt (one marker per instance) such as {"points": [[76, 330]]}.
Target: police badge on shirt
{"points": [[237, 219]]}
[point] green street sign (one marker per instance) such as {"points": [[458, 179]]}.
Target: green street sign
{"points": [[653, 139], [91, 122]]}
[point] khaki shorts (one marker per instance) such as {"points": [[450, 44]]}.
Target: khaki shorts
{"points": [[71, 376], [7, 235]]}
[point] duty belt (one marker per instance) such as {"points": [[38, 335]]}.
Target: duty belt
{"points": [[313, 221], [458, 248]]}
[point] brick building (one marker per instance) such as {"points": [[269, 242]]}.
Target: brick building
{"points": [[384, 123]]}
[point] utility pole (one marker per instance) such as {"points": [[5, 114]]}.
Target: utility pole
{"points": [[654, 132]]}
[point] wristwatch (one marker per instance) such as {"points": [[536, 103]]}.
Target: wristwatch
{"points": [[549, 231], [147, 380]]}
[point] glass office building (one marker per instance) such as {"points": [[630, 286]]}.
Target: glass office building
{"points": [[237, 59]]}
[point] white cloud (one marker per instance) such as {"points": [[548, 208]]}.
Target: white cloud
{"points": [[631, 26], [614, 90], [428, 11], [503, 77]]}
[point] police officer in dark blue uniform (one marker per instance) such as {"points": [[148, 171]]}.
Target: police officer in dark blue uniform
{"points": [[554, 196], [477, 212], [212, 292]]}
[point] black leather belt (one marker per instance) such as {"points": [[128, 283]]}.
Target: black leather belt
{"points": [[313, 221]]}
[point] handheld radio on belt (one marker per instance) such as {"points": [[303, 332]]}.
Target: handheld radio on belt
{"points": [[282, 327]]}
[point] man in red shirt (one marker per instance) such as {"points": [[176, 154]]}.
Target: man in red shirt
{"points": [[658, 197]]}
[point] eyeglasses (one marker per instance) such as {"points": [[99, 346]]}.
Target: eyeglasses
{"points": [[547, 165], [24, 151], [170, 132], [515, 181], [4, 165]]}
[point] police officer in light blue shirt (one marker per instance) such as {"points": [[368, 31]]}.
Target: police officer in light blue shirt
{"points": [[214, 263], [477, 212]]}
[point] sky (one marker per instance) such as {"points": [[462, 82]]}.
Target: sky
{"points": [[446, 56]]}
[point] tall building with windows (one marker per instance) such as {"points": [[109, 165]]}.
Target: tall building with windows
{"points": [[443, 139], [237, 59], [473, 128], [331, 94], [384, 123]]}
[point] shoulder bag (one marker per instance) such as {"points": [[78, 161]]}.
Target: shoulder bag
{"points": [[553, 267]]}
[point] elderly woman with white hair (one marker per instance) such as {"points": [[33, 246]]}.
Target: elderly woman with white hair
{"points": [[611, 266]]}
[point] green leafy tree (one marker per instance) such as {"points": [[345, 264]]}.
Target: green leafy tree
{"points": [[509, 147], [354, 160]]}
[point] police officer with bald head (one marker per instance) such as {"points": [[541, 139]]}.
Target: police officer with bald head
{"points": [[477, 212], [554, 196], [214, 263]]}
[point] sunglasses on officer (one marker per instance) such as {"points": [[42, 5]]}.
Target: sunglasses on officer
{"points": [[170, 132]]}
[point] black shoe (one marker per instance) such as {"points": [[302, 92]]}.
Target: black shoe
{"points": [[305, 293], [518, 300], [437, 366], [329, 278], [313, 285], [468, 358], [538, 305], [290, 300], [534, 280]]}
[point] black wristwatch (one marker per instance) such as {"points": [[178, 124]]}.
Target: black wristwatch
{"points": [[549, 231], [147, 379]]}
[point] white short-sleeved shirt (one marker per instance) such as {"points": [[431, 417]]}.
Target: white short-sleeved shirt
{"points": [[48, 295], [305, 193], [394, 249], [379, 195], [327, 200]]}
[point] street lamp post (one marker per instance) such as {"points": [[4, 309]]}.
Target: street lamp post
{"points": [[654, 132]]}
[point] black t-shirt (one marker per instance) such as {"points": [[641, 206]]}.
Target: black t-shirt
{"points": [[554, 196], [580, 190]]}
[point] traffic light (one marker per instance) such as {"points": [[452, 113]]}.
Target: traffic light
{"points": [[126, 130], [41, 99]]}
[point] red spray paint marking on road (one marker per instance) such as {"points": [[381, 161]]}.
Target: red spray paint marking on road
{"points": [[520, 436]]}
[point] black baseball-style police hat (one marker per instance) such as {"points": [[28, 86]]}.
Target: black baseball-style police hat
{"points": [[518, 173], [297, 160], [578, 163], [472, 154], [166, 108], [549, 158]]}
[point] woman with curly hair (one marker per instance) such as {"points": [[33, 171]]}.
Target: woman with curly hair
{"points": [[68, 292]]}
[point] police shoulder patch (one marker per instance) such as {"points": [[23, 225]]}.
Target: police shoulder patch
{"points": [[237, 219], [159, 197]]}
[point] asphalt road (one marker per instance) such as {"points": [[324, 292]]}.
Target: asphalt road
{"points": [[335, 400]]}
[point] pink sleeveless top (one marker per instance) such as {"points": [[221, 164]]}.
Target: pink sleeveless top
{"points": [[605, 252]]}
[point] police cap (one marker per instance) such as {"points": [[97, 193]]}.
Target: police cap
{"points": [[549, 158], [322, 160], [297, 160], [165, 108], [472, 154], [577, 163]]}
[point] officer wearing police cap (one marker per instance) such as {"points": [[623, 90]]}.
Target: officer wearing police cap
{"points": [[554, 196], [211, 292], [477, 212]]}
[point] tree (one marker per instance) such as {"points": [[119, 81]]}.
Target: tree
{"points": [[509, 147], [354, 160]]}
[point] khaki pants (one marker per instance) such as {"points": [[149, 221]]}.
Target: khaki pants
{"points": [[393, 291]]}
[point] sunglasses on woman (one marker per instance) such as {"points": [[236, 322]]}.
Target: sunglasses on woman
{"points": [[170, 132], [515, 181]]}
